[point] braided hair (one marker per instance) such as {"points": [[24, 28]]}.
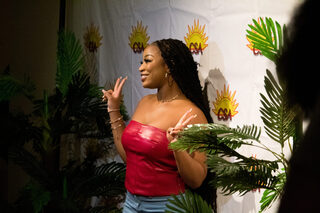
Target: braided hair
{"points": [[183, 70]]}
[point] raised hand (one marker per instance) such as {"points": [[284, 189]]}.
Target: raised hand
{"points": [[113, 97], [172, 132]]}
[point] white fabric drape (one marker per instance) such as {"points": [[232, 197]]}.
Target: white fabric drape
{"points": [[227, 61]]}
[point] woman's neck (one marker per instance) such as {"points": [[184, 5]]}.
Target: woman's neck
{"points": [[169, 93]]}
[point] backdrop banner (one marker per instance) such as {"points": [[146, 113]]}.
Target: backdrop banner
{"points": [[214, 31]]}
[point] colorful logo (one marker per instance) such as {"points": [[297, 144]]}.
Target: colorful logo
{"points": [[225, 105], [250, 45], [138, 37], [92, 38], [196, 38]]}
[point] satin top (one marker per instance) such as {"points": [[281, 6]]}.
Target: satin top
{"points": [[151, 166]]}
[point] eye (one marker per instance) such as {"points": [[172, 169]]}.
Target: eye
{"points": [[147, 60], [141, 62]]}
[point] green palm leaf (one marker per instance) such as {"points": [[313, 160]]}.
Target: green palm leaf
{"points": [[242, 175], [269, 196], [278, 118], [11, 87], [267, 37], [108, 180], [216, 138], [188, 203], [39, 196], [70, 60], [30, 164]]}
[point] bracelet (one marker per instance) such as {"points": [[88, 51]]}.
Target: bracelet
{"points": [[113, 110], [113, 128], [116, 120]]}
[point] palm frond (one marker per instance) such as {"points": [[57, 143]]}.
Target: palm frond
{"points": [[82, 98], [266, 35], [278, 118], [108, 180], [270, 195], [30, 165], [11, 87], [243, 175], [39, 197], [70, 60], [188, 203], [216, 138]]}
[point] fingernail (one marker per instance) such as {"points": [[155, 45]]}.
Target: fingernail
{"points": [[195, 115]]}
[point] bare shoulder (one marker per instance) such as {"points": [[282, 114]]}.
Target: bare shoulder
{"points": [[143, 104], [201, 118], [146, 100]]}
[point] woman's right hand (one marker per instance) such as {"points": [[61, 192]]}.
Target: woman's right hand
{"points": [[113, 97]]}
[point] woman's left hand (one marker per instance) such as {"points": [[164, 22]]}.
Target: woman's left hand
{"points": [[172, 132]]}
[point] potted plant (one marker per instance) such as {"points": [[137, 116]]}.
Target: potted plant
{"points": [[75, 108], [281, 124]]}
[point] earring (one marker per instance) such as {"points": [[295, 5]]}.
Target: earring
{"points": [[166, 75]]}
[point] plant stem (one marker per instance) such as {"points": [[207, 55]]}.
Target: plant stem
{"points": [[290, 147]]}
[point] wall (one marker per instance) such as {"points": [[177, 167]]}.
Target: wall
{"points": [[30, 48]]}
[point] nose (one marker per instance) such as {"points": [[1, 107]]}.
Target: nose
{"points": [[141, 68]]}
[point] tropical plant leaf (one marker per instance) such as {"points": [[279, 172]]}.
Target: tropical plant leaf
{"points": [[243, 175], [38, 196], [81, 99], [188, 203], [216, 138], [266, 36], [278, 118], [270, 195], [108, 180], [11, 87], [30, 165], [70, 60]]}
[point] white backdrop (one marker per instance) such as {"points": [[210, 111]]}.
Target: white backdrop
{"points": [[226, 61]]}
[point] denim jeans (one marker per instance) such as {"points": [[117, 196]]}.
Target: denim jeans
{"points": [[142, 204]]}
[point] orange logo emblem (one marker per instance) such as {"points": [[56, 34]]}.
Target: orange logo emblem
{"points": [[138, 38], [225, 105], [196, 38], [250, 45]]}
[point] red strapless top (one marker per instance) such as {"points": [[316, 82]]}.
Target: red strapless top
{"points": [[151, 166]]}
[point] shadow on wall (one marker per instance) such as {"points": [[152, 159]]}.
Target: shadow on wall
{"points": [[214, 81]]}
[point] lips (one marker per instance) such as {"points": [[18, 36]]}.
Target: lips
{"points": [[144, 77]]}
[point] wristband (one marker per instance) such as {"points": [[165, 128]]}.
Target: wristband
{"points": [[113, 110]]}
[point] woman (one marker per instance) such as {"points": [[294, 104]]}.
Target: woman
{"points": [[154, 172]]}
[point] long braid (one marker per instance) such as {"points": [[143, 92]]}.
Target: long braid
{"points": [[183, 70]]}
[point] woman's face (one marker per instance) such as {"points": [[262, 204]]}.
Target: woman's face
{"points": [[153, 68]]}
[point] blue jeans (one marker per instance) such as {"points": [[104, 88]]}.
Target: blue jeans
{"points": [[142, 204]]}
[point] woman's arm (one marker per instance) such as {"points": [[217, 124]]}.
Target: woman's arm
{"points": [[192, 167], [117, 124]]}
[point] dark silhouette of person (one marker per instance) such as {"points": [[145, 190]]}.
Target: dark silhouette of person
{"points": [[298, 68]]}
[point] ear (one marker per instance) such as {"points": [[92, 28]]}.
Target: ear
{"points": [[167, 68]]}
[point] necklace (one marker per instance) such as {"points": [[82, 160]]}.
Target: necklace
{"points": [[169, 100]]}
